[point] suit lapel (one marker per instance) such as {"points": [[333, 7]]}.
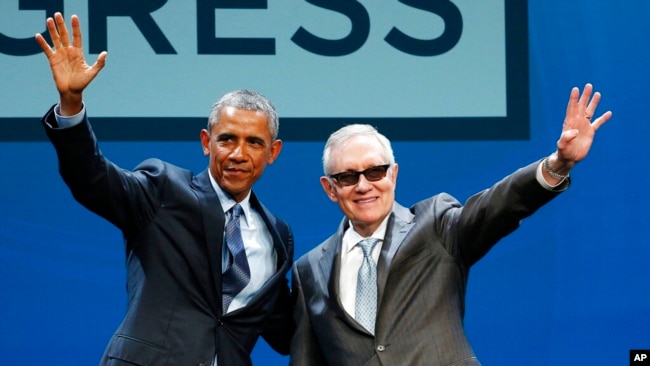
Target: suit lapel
{"points": [[279, 245], [399, 224], [330, 264], [213, 226], [329, 261], [284, 251]]}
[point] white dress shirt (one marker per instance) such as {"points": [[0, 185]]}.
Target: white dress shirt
{"points": [[351, 259], [258, 244]]}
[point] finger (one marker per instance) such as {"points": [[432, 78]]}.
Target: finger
{"points": [[586, 95], [569, 135], [573, 100], [99, 64], [593, 104], [76, 31], [566, 137], [44, 45], [63, 30], [601, 120], [101, 61], [54, 33]]}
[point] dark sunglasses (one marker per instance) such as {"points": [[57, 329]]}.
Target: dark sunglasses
{"points": [[350, 178]]}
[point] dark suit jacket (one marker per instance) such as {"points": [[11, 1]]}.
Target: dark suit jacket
{"points": [[172, 224], [421, 278]]}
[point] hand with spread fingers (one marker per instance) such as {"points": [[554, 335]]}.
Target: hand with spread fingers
{"points": [[69, 68], [578, 132]]}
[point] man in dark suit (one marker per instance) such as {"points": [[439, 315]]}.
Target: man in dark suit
{"points": [[388, 288], [196, 296]]}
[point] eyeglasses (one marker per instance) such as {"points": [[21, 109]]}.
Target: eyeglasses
{"points": [[350, 178]]}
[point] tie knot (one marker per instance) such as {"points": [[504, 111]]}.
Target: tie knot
{"points": [[235, 211], [367, 245]]}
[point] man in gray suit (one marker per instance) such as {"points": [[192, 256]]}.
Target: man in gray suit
{"points": [[388, 288]]}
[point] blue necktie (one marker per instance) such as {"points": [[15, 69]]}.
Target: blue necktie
{"points": [[365, 306], [238, 274]]}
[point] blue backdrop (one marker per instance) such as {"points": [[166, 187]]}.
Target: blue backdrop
{"points": [[570, 287]]}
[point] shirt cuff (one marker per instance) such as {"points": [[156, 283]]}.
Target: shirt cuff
{"points": [[540, 178], [68, 121]]}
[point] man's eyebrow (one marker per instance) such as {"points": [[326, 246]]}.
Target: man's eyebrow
{"points": [[256, 139], [225, 135]]}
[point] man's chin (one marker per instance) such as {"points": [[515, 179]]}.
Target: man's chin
{"points": [[236, 188]]}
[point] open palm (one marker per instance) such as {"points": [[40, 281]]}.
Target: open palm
{"points": [[69, 68], [578, 130]]}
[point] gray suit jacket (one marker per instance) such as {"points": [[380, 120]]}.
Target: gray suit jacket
{"points": [[421, 277]]}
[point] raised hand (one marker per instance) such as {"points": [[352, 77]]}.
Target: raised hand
{"points": [[579, 130], [69, 68], [578, 133]]}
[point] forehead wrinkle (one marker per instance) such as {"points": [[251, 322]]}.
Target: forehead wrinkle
{"points": [[357, 153]]}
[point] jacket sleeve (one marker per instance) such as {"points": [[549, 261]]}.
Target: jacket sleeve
{"points": [[125, 198], [305, 350], [471, 230], [278, 329]]}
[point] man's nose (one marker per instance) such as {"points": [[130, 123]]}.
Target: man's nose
{"points": [[239, 152], [363, 184]]}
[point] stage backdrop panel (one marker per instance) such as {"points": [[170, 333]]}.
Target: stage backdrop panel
{"points": [[570, 287]]}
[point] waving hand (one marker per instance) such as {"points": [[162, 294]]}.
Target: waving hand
{"points": [[69, 68], [578, 132], [579, 126]]}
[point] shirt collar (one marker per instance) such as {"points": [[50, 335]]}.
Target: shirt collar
{"points": [[227, 201], [351, 237]]}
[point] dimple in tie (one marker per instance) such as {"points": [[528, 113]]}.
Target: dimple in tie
{"points": [[238, 274], [365, 307]]}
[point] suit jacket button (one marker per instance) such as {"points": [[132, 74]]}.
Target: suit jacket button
{"points": [[380, 348]]}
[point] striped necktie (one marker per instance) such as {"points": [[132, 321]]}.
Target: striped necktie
{"points": [[238, 274]]}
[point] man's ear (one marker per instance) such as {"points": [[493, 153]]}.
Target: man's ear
{"points": [[395, 169], [329, 189], [205, 142], [276, 147]]}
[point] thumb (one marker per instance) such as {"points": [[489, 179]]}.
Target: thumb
{"points": [[569, 135], [99, 64], [566, 137]]}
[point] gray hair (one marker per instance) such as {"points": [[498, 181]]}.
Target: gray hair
{"points": [[345, 133], [247, 100]]}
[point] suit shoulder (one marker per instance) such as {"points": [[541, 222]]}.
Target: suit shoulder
{"points": [[156, 167], [157, 163], [439, 201], [318, 251]]}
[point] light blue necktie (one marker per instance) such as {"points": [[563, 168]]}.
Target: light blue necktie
{"points": [[238, 274], [365, 307]]}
